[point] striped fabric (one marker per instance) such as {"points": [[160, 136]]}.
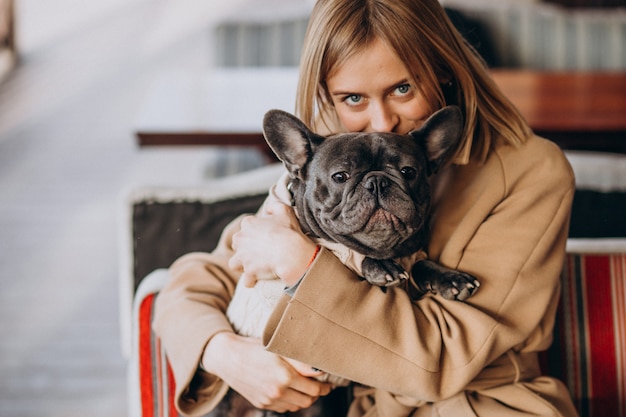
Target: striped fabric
{"points": [[589, 351], [523, 35], [156, 380]]}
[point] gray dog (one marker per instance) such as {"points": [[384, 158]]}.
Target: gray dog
{"points": [[370, 192], [363, 193]]}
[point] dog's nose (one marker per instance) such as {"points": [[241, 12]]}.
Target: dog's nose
{"points": [[376, 184]]}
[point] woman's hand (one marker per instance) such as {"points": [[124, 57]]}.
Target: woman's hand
{"points": [[263, 378], [271, 245]]}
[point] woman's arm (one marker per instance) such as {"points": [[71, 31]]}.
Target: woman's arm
{"points": [[190, 316]]}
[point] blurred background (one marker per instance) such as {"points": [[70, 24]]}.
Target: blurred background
{"points": [[75, 76], [67, 155]]}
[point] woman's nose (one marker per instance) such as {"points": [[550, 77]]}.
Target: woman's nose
{"points": [[382, 119]]}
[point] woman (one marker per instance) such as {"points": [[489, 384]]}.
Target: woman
{"points": [[500, 213]]}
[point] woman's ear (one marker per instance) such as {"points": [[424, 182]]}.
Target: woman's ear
{"points": [[290, 140], [440, 135]]}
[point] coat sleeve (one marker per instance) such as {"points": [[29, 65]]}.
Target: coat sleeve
{"points": [[506, 223], [189, 311]]}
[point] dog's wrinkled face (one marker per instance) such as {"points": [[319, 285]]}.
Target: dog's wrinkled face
{"points": [[368, 191]]}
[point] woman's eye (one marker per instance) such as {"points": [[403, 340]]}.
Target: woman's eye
{"points": [[403, 89], [353, 100], [340, 177], [409, 173]]}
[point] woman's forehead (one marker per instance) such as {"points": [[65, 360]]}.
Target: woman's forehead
{"points": [[373, 66]]}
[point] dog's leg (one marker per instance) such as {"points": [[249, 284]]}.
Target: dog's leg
{"points": [[383, 272], [451, 284]]}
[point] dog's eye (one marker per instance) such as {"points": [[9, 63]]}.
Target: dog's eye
{"points": [[340, 177], [408, 173]]}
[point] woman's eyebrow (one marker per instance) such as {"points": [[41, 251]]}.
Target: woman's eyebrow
{"points": [[344, 93], [391, 87], [396, 85]]}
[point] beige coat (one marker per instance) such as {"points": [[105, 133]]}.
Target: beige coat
{"points": [[250, 308], [504, 221]]}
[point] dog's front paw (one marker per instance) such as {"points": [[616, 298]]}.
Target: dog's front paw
{"points": [[383, 272], [455, 285]]}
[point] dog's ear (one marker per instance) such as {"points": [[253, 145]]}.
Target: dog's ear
{"points": [[290, 139], [440, 136]]}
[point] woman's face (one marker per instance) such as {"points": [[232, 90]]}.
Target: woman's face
{"points": [[373, 92]]}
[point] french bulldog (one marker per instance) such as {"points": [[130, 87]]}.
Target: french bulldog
{"points": [[370, 193], [366, 193]]}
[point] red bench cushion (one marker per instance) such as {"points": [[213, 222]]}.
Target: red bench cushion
{"points": [[589, 350]]}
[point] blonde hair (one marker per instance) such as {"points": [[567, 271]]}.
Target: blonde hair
{"points": [[434, 52]]}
